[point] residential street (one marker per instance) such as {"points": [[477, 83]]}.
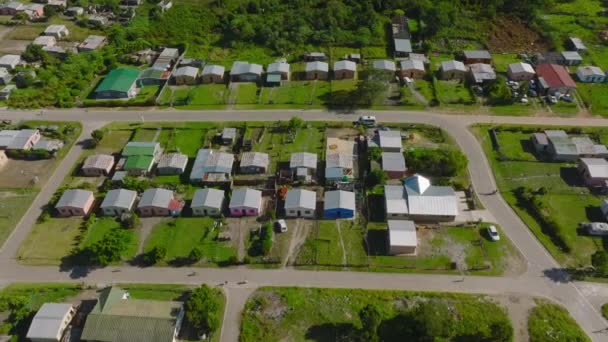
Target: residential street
{"points": [[542, 278]]}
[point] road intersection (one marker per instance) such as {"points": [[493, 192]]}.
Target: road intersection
{"points": [[543, 276]]}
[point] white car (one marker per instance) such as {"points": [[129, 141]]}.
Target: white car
{"points": [[282, 226], [493, 232]]}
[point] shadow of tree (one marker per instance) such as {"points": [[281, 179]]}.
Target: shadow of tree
{"points": [[331, 332]]}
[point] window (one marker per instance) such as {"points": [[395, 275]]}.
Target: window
{"points": [[307, 212]]}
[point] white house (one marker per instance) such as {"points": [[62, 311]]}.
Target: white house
{"points": [[402, 237], [300, 203], [207, 202]]}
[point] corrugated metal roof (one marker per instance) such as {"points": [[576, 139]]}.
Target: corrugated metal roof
{"points": [[228, 133], [417, 183], [209, 161], [395, 199], [519, 68], [482, 72], [208, 198], [278, 67], [186, 71], [429, 200], [402, 233], [393, 161], [577, 43], [245, 197], [300, 198], [134, 148], [303, 159], [390, 139], [345, 65], [75, 198], [156, 197], [597, 167], [341, 160], [555, 75], [571, 56], [317, 66], [214, 70], [403, 45], [589, 70], [240, 68], [48, 323], [98, 161], [339, 199], [257, 159], [119, 198], [385, 65], [477, 54], [412, 64], [453, 65], [173, 160]]}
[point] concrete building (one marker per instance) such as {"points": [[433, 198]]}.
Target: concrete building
{"points": [[339, 204], [279, 68], [385, 65], [159, 202], [317, 70], [246, 72], [172, 164], [303, 165], [185, 75], [118, 202], [590, 74], [402, 238], [254, 163], [213, 74], [300, 203], [50, 322], [98, 165], [57, 31], [75, 202], [345, 70], [594, 171], [520, 72], [411, 68], [245, 202], [451, 70], [207, 202]]}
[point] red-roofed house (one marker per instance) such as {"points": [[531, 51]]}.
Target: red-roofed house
{"points": [[554, 78]]}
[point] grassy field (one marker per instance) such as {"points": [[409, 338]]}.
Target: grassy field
{"points": [[181, 235], [113, 142], [502, 60], [186, 141], [515, 109], [300, 93], [453, 92], [205, 94], [595, 97], [104, 226], [33, 30], [246, 93], [334, 243], [311, 314], [13, 204], [551, 322], [568, 202]]}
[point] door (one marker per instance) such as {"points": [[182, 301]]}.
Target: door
{"points": [[299, 213]]}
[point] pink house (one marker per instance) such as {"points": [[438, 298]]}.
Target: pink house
{"points": [[75, 202], [23, 139], [245, 202], [159, 202]]}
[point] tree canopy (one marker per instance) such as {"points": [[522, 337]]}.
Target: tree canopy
{"points": [[202, 309]]}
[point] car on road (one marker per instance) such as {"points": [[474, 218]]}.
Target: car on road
{"points": [[281, 226], [367, 120], [493, 232]]}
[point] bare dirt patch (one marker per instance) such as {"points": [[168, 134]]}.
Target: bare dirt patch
{"points": [[25, 173], [518, 307], [11, 46], [272, 305], [514, 36], [301, 230]]}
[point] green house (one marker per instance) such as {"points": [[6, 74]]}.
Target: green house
{"points": [[141, 148], [139, 165], [118, 84]]}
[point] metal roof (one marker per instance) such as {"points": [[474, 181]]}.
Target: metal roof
{"points": [[45, 41], [482, 72], [173, 160], [429, 200], [453, 65], [519, 68], [214, 70], [341, 160], [589, 70], [393, 161], [10, 59], [156, 197], [240, 68], [134, 148], [49, 322], [209, 161], [92, 42], [402, 233], [555, 75], [208, 198], [597, 167], [339, 199], [385, 65], [245, 197], [477, 54], [303, 159], [75, 198], [541, 138], [552, 133], [412, 64], [51, 29], [186, 71], [345, 65], [98, 161], [577, 43], [317, 66], [403, 45], [390, 139], [300, 198], [278, 67], [257, 159], [121, 79], [394, 196], [119, 198], [139, 162], [571, 56], [229, 133]]}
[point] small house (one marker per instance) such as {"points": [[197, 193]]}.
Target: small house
{"points": [[418, 200], [339, 204], [402, 238], [167, 57], [172, 164], [34, 11], [5, 76], [118, 202], [576, 44], [594, 171], [300, 203], [254, 163], [590, 74], [477, 57], [159, 202], [339, 167], [119, 83], [385, 65], [245, 202], [345, 70], [10, 62], [98, 165], [74, 11], [156, 75], [540, 142], [403, 47], [92, 43], [553, 78], [75, 202], [50, 322], [245, 72], [390, 141], [212, 167], [144, 148], [141, 157], [140, 165], [481, 73], [314, 57], [98, 20], [279, 68], [393, 163], [317, 70], [23, 139], [5, 92], [45, 41], [520, 72], [303, 165], [207, 202], [560, 147], [228, 135], [412, 68], [57, 31], [570, 58], [213, 74], [185, 75], [11, 8]]}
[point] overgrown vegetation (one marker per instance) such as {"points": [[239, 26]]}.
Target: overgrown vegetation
{"points": [[551, 322]]}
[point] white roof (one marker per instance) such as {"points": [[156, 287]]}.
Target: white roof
{"points": [[339, 199], [429, 200], [278, 67], [75, 198], [248, 198], [257, 159], [208, 198], [345, 65], [341, 160], [45, 41], [518, 68], [393, 161], [55, 29], [240, 68], [597, 167], [172, 160], [119, 198], [390, 139], [453, 65], [385, 65], [589, 70], [317, 66], [402, 233], [395, 199], [301, 199], [48, 323], [156, 197], [213, 70], [209, 161], [10, 60], [186, 71], [303, 159], [571, 56], [412, 64]]}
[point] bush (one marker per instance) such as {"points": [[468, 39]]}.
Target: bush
{"points": [[444, 162], [155, 255], [105, 251], [551, 322], [376, 177], [202, 310], [605, 310]]}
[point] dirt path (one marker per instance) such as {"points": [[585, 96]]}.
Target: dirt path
{"points": [[298, 238], [147, 224], [157, 134], [518, 307], [234, 90], [341, 242], [238, 233]]}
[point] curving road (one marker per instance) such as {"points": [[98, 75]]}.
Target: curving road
{"points": [[543, 276]]}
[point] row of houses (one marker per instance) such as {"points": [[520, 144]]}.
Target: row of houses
{"points": [[561, 147], [27, 139]]}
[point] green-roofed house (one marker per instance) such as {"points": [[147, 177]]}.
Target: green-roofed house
{"points": [[118, 84], [140, 157], [117, 318], [139, 165]]}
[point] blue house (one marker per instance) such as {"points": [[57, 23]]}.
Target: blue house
{"points": [[339, 204]]}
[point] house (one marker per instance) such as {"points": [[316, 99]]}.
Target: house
{"points": [[213, 74], [418, 200], [303, 165], [520, 72], [50, 322], [419, 57], [481, 73], [412, 68], [393, 163], [159, 202], [540, 142], [140, 157], [403, 47], [5, 76], [10, 62], [314, 57], [98, 165], [570, 58], [185, 75], [118, 84], [254, 162], [353, 57], [339, 204], [402, 237], [57, 31], [167, 57], [156, 75], [390, 141], [300, 203], [45, 41], [56, 51], [451, 70], [172, 164], [590, 74], [207, 202], [594, 171], [98, 20], [553, 78], [56, 3], [585, 147], [140, 165], [228, 135], [339, 167], [116, 318], [385, 65], [92, 43], [49, 145], [11, 8], [119, 177], [245, 202], [345, 70], [3, 159], [23, 139], [211, 167], [34, 10], [118, 202], [75, 202], [280, 68], [74, 11], [477, 57], [576, 44], [5, 92], [560, 146], [139, 148], [245, 72], [317, 70]]}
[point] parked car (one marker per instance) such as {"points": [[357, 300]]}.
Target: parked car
{"points": [[493, 232], [532, 93], [567, 98], [551, 99], [281, 226], [367, 120]]}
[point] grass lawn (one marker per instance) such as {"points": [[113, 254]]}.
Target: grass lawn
{"points": [[186, 141], [551, 322], [113, 141], [205, 94], [104, 226], [515, 109], [563, 108], [181, 235], [453, 92], [50, 241], [313, 314], [425, 88], [502, 60], [13, 204], [295, 93], [327, 245], [145, 134], [246, 93], [595, 97]]}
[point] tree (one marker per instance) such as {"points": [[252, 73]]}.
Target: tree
{"points": [[107, 250], [195, 255], [371, 88], [98, 134], [444, 162], [499, 93], [374, 153], [295, 123], [376, 177], [599, 260], [21, 17], [432, 320], [155, 255], [202, 309], [370, 318]]}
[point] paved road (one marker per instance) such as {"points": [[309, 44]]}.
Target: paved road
{"points": [[542, 278]]}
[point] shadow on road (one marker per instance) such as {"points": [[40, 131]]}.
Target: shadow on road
{"points": [[558, 275]]}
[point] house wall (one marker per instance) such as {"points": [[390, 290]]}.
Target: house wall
{"points": [[204, 211], [538, 147], [413, 73], [520, 76], [153, 211], [212, 79], [170, 171], [398, 250], [300, 212], [252, 169], [395, 174], [452, 75], [72, 211], [392, 149], [478, 60], [181, 80], [339, 213], [344, 75], [242, 211], [316, 75], [94, 172], [592, 79], [114, 211], [8, 11], [284, 75], [245, 78], [589, 181]]}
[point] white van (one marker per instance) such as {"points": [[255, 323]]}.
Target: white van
{"points": [[367, 120]]}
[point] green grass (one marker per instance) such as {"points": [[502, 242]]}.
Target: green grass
{"points": [[181, 235], [206, 94], [563, 108], [300, 93], [246, 93], [453, 92], [186, 141], [551, 322], [595, 97], [104, 226], [332, 247], [145, 134], [50, 241], [312, 314], [605, 310], [113, 141], [515, 109], [13, 204], [502, 60]]}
